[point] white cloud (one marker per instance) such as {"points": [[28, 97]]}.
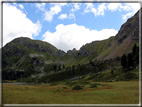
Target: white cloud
{"points": [[114, 6], [74, 36], [76, 7], [101, 9], [131, 8], [71, 16], [134, 7], [89, 8], [58, 4], [16, 24], [40, 6], [124, 17], [97, 11], [21, 6], [63, 16], [48, 15]]}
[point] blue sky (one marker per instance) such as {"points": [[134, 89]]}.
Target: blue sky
{"points": [[65, 25]]}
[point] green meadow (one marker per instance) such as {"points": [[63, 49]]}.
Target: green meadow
{"points": [[117, 92]]}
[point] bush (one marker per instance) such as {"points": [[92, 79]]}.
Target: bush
{"points": [[77, 87], [64, 87], [93, 85], [130, 75]]}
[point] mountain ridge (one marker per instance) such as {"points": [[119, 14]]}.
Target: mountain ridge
{"points": [[37, 54]]}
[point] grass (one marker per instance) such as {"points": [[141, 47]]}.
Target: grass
{"points": [[124, 92]]}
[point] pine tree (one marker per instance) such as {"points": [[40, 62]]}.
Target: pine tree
{"points": [[130, 60], [134, 50], [124, 61]]}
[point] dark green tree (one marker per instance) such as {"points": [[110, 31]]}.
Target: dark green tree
{"points": [[130, 60], [112, 71], [135, 54], [134, 50], [55, 67], [63, 66], [73, 69], [91, 61], [124, 61], [59, 67]]}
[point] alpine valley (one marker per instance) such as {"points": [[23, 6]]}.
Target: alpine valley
{"points": [[27, 60]]}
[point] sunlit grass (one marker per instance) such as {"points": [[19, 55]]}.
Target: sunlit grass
{"points": [[126, 92]]}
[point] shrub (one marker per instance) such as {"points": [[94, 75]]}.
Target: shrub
{"points": [[77, 87], [130, 75], [93, 85], [64, 87]]}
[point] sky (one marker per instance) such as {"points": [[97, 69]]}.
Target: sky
{"points": [[65, 25]]}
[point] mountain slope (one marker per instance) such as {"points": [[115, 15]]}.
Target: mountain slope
{"points": [[26, 55], [127, 36], [24, 50]]}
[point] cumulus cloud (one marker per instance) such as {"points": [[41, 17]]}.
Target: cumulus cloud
{"points": [[48, 16], [55, 9], [40, 6], [134, 7], [16, 24], [74, 36], [97, 11], [114, 6], [131, 8], [76, 7], [63, 16], [71, 16], [21, 6], [124, 17]]}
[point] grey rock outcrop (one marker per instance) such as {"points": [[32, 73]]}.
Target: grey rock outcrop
{"points": [[60, 53], [82, 52], [35, 61], [70, 53], [130, 27]]}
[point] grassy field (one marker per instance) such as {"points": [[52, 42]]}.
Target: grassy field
{"points": [[124, 92]]}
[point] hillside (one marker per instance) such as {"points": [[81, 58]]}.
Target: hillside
{"points": [[23, 57], [113, 47]]}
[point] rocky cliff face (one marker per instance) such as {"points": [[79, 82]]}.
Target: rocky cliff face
{"points": [[82, 52], [130, 27], [60, 53], [70, 53]]}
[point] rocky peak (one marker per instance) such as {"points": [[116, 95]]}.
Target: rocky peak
{"points": [[82, 52], [60, 53], [129, 28], [70, 53]]}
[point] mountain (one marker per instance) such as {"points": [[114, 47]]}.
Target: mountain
{"points": [[23, 55], [115, 46]]}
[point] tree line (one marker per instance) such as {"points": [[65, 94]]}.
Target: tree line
{"points": [[131, 60]]}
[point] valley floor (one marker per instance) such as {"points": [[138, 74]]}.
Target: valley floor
{"points": [[122, 92]]}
